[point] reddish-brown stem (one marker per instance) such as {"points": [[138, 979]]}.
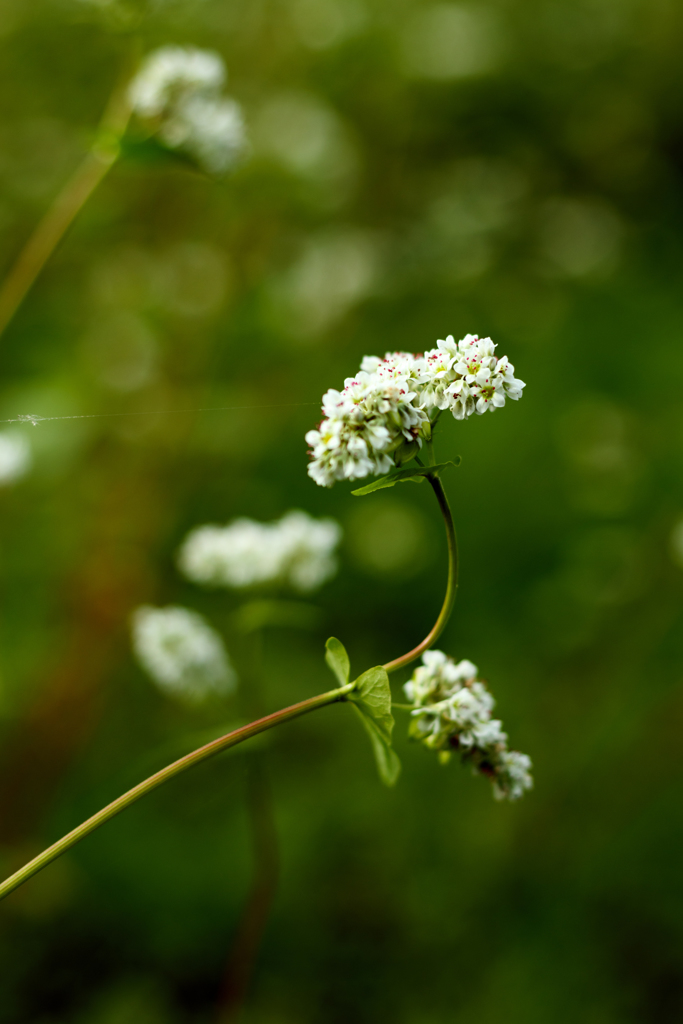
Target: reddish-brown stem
{"points": [[231, 739]]}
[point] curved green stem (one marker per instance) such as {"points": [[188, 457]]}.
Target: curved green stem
{"points": [[231, 739], [51, 229], [451, 586]]}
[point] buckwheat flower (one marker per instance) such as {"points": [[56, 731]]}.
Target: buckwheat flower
{"points": [[461, 399], [366, 421], [182, 653], [513, 776], [296, 551], [436, 374], [452, 712], [438, 678], [490, 380], [177, 91], [392, 399], [15, 456], [475, 380]]}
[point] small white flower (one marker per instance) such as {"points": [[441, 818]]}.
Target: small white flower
{"points": [[438, 678], [178, 92], [297, 551], [366, 421], [453, 713], [488, 734], [513, 776], [181, 652], [15, 456]]}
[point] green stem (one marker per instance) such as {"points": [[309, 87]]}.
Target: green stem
{"points": [[430, 452], [231, 739], [451, 586], [51, 229]]}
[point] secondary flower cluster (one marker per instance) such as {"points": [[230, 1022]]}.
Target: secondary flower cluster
{"points": [[177, 91], [297, 551], [182, 653], [393, 400], [453, 713]]}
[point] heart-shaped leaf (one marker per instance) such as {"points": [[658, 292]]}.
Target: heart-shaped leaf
{"points": [[372, 700], [338, 660], [388, 764]]}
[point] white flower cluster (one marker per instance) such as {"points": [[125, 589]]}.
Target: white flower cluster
{"points": [[178, 91], [393, 399], [453, 712], [182, 653], [366, 421], [466, 377], [297, 551]]}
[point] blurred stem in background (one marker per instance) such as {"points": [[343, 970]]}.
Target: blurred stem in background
{"points": [[244, 952], [231, 739], [265, 857], [100, 158]]}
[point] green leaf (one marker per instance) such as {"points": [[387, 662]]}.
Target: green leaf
{"points": [[338, 660], [402, 476], [372, 694], [388, 764], [148, 150], [372, 700]]}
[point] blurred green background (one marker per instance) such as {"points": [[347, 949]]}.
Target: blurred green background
{"points": [[416, 169]]}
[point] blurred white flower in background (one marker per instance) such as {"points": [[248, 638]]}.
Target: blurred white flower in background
{"points": [[676, 543], [172, 72], [308, 137], [471, 209], [579, 236], [181, 652], [15, 456], [334, 272], [297, 551], [177, 91], [453, 713], [324, 23], [448, 41]]}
